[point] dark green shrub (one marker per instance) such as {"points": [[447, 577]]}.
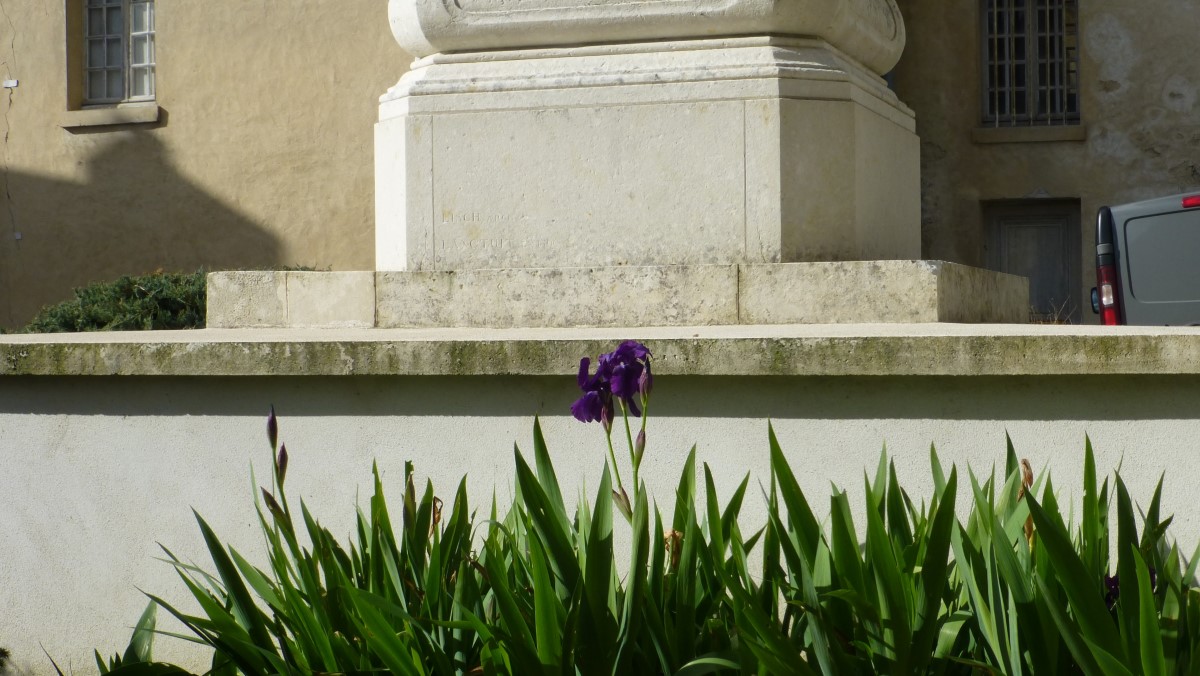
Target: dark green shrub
{"points": [[149, 302]]}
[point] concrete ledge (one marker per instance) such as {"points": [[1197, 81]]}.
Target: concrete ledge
{"points": [[813, 350]]}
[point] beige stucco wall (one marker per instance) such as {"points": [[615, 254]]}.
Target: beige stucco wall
{"points": [[262, 155], [1139, 90]]}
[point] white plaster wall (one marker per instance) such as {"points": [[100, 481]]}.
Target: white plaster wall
{"points": [[96, 471]]}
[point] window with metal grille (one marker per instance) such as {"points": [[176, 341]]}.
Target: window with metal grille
{"points": [[119, 58], [1030, 62]]}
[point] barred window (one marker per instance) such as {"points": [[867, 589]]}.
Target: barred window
{"points": [[1030, 62], [119, 56]]}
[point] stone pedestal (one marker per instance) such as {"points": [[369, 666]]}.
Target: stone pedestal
{"points": [[655, 144], [609, 163]]}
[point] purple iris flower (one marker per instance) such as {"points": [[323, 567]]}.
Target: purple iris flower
{"points": [[631, 349], [623, 373], [596, 402], [1112, 590], [630, 376], [1112, 587]]}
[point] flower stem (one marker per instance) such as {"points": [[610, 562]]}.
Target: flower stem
{"points": [[613, 458], [629, 437], [645, 411], [637, 464]]}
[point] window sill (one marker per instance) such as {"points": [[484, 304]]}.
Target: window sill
{"points": [[1074, 132], [142, 112]]}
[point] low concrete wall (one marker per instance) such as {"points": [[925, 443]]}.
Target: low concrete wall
{"points": [[109, 441]]}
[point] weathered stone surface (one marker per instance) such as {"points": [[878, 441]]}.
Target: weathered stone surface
{"points": [[295, 299], [879, 291], [247, 298], [678, 295], [614, 296], [969, 294], [721, 151], [331, 299], [925, 349], [623, 193], [871, 31], [808, 293]]}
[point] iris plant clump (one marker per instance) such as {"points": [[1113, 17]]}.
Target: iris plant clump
{"points": [[1021, 586], [623, 379]]}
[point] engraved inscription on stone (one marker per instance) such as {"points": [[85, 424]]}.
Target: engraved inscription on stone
{"points": [[455, 248], [470, 238]]}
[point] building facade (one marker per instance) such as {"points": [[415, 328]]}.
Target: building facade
{"points": [[1034, 113], [163, 134], [171, 134]]}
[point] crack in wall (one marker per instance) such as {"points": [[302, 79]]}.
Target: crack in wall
{"points": [[4, 168], [10, 69]]}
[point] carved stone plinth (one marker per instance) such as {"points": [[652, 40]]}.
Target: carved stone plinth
{"points": [[868, 31], [570, 133]]}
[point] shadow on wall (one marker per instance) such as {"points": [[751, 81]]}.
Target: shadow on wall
{"points": [[1021, 398], [132, 212]]}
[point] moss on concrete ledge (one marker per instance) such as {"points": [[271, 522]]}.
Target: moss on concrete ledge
{"points": [[873, 350]]}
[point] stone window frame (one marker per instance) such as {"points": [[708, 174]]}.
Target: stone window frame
{"points": [[1029, 63], [129, 109]]}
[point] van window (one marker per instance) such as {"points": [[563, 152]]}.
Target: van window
{"points": [[1161, 251]]}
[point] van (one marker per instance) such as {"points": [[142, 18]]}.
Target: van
{"points": [[1146, 262]]}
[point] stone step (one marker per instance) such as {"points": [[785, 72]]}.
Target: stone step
{"points": [[679, 295]]}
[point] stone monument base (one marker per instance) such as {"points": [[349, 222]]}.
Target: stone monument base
{"points": [[627, 296], [687, 152]]}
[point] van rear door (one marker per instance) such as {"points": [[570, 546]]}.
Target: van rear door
{"points": [[1154, 245]]}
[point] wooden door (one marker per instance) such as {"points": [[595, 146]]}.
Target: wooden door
{"points": [[1040, 240]]}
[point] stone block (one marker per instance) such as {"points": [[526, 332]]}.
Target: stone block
{"points": [[879, 291], [246, 299], [971, 295], [330, 299], [627, 192], [721, 151], [621, 296], [563, 297]]}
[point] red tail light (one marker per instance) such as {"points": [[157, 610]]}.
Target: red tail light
{"points": [[1191, 201], [1110, 303]]}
